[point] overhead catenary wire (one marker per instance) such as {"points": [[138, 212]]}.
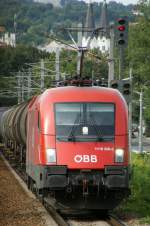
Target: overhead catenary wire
{"points": [[26, 76]]}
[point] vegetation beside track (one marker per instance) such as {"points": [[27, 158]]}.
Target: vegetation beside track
{"points": [[138, 204]]}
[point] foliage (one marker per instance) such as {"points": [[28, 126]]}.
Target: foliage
{"points": [[138, 203], [36, 20], [21, 57], [99, 68], [139, 55], [13, 59]]}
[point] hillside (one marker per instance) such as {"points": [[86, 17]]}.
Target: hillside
{"points": [[34, 20]]}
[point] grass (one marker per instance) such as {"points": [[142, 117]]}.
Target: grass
{"points": [[138, 204]]}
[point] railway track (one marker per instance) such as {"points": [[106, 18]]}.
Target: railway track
{"points": [[67, 218], [114, 221]]}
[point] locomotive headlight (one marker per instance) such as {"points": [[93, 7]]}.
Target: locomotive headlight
{"points": [[51, 155], [119, 155]]}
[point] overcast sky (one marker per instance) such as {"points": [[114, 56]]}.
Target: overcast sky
{"points": [[125, 2]]}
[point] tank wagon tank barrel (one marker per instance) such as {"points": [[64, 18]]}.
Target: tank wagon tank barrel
{"points": [[2, 110], [4, 121], [13, 124]]}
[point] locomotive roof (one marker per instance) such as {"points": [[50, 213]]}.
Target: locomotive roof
{"points": [[81, 94], [59, 90]]}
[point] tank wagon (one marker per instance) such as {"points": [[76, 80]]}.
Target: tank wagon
{"points": [[74, 144], [2, 110]]}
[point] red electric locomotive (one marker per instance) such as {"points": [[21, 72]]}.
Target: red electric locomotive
{"points": [[77, 146], [74, 143]]}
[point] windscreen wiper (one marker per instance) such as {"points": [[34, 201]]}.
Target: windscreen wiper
{"points": [[93, 123], [71, 136]]}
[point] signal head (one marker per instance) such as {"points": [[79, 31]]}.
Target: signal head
{"points": [[121, 28], [114, 84], [121, 42], [124, 86], [122, 31], [121, 21]]}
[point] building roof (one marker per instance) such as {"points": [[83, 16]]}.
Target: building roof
{"points": [[53, 46], [102, 39], [89, 23], [104, 19]]}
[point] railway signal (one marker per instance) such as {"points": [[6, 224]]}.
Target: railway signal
{"points": [[121, 42], [122, 31], [114, 84], [124, 86], [126, 89]]}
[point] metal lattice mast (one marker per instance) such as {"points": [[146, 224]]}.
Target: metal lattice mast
{"points": [[29, 83], [80, 46], [57, 64], [19, 88], [22, 87], [42, 75], [111, 56]]}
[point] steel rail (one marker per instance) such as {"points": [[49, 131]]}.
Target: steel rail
{"points": [[115, 221], [53, 212]]}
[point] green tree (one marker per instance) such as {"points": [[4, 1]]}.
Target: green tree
{"points": [[13, 59], [139, 55], [32, 14]]}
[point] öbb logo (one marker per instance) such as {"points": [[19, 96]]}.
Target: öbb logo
{"points": [[85, 158]]}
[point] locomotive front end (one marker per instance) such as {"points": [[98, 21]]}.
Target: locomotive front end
{"points": [[85, 138]]}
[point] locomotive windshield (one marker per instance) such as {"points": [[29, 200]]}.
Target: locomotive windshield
{"points": [[85, 121]]}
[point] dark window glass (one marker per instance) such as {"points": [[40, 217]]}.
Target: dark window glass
{"points": [[85, 121]]}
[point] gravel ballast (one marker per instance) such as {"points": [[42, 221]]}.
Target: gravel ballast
{"points": [[16, 207]]}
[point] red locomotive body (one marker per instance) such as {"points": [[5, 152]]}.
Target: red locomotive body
{"points": [[77, 146]]}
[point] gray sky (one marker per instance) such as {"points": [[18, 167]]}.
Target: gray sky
{"points": [[125, 2]]}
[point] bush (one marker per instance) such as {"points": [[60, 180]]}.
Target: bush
{"points": [[138, 203]]}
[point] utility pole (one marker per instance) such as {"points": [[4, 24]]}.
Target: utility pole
{"points": [[111, 55], [130, 114], [15, 28], [29, 83], [57, 64], [141, 123], [121, 62], [79, 46], [19, 88], [92, 77], [42, 75]]}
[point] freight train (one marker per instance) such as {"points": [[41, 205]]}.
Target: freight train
{"points": [[74, 144]]}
